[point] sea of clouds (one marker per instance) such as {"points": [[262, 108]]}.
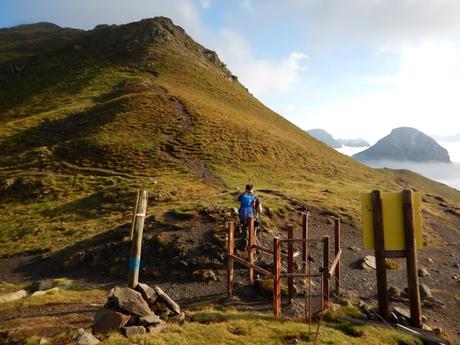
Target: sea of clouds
{"points": [[442, 172]]}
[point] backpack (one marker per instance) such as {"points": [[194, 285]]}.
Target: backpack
{"points": [[246, 210]]}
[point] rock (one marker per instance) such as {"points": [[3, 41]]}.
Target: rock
{"points": [[368, 263], [178, 318], [133, 330], [107, 320], [45, 292], [354, 249], [423, 272], [402, 312], [427, 328], [430, 260], [146, 291], [425, 291], [394, 292], [157, 328], [45, 284], [149, 320], [164, 314], [84, 338], [167, 300], [204, 275], [43, 341], [130, 301], [13, 296]]}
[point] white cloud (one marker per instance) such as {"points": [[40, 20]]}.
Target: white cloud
{"points": [[205, 3], [422, 94], [263, 77]]}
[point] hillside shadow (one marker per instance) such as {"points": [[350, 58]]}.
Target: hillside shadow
{"points": [[58, 132]]}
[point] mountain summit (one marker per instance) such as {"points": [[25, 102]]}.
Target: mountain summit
{"points": [[405, 144]]}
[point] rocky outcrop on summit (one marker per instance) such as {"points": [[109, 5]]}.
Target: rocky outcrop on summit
{"points": [[325, 137], [405, 144]]}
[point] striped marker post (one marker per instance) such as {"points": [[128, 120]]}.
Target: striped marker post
{"points": [[136, 244]]}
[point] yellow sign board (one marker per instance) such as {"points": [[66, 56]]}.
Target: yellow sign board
{"points": [[393, 220]]}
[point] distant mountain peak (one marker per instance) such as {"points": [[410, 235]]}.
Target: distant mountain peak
{"points": [[323, 136], [405, 144]]}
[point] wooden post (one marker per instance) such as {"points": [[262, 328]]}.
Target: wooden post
{"points": [[231, 250], [336, 250], [379, 245], [326, 250], [290, 263], [276, 276], [411, 259], [305, 217], [251, 249], [136, 245], [133, 219]]}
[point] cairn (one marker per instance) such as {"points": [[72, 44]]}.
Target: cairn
{"points": [[141, 310]]}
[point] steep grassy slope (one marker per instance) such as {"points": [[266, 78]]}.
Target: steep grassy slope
{"points": [[87, 117]]}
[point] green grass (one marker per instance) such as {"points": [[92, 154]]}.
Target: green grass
{"points": [[75, 145], [231, 327]]}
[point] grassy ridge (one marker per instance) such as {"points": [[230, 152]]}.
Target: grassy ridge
{"points": [[82, 128]]}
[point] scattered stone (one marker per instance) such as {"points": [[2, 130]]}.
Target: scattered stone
{"points": [[164, 314], [430, 260], [45, 284], [149, 320], [354, 249], [147, 292], [304, 281], [368, 263], [425, 291], [107, 320], [404, 312], [133, 330], [206, 275], [13, 296], [167, 300], [456, 277], [394, 292], [423, 272], [43, 341], [45, 292], [84, 338], [157, 328], [130, 301], [427, 328]]}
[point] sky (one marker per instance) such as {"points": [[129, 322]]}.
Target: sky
{"points": [[357, 68]]}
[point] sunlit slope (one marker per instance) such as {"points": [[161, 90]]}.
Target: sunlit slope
{"points": [[90, 116]]}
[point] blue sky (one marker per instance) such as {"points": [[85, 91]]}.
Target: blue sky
{"points": [[357, 68]]}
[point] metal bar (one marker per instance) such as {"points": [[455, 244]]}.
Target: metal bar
{"points": [[254, 267], [290, 264], [379, 245], [136, 244], [300, 240], [335, 264], [276, 277], [133, 219], [336, 268], [395, 254], [251, 250], [305, 217], [231, 249], [326, 250], [299, 275], [411, 250]]}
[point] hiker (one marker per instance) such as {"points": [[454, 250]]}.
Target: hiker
{"points": [[250, 206]]}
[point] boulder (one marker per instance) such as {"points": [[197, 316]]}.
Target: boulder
{"points": [[402, 312], [394, 292], [107, 320], [133, 330], [149, 320], [157, 328], [368, 263], [204, 275], [425, 291], [130, 301], [146, 291], [13, 296], [173, 306], [423, 272], [84, 338], [44, 292]]}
